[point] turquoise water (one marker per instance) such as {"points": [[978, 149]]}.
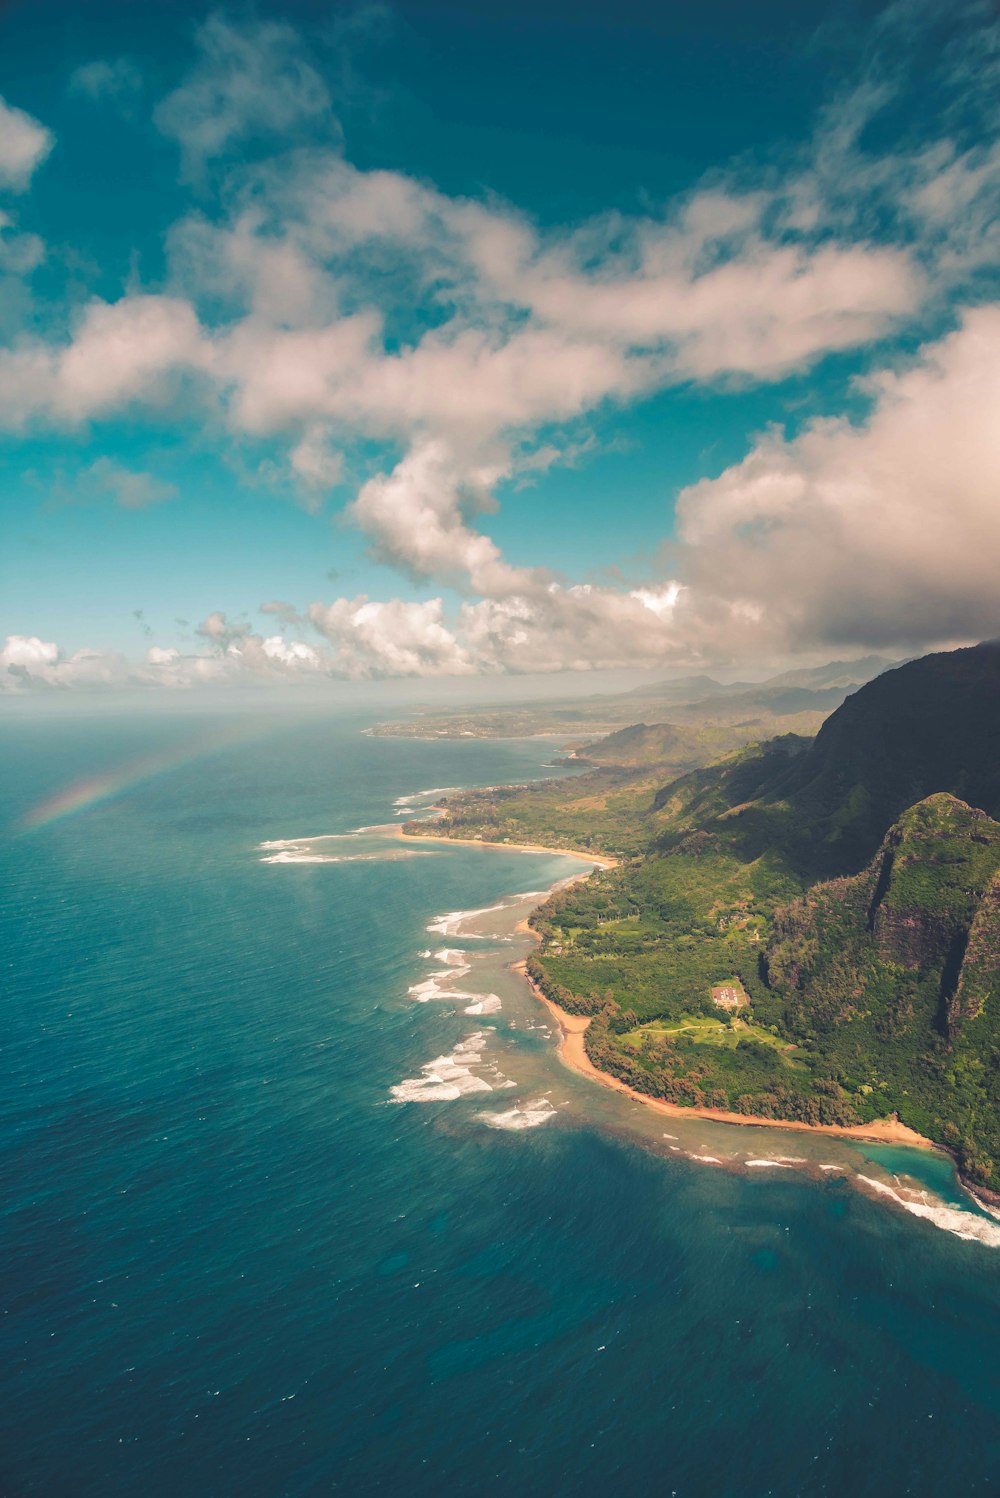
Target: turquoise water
{"points": [[232, 1265]]}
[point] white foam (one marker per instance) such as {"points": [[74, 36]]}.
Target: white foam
{"points": [[304, 850], [529, 1115], [437, 985], [405, 802], [488, 1004], [288, 855], [447, 1078], [780, 1162], [448, 924], [951, 1219]]}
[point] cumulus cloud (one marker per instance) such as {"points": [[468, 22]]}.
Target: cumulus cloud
{"points": [[24, 145], [547, 628], [121, 352], [882, 532], [415, 517], [394, 638], [444, 346], [28, 663]]}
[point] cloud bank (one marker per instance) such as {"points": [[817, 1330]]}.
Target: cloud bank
{"points": [[334, 312]]}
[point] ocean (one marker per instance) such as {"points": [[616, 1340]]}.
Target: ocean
{"points": [[298, 1198]]}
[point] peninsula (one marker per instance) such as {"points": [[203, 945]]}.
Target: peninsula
{"points": [[803, 933]]}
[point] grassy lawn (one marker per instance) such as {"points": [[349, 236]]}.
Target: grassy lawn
{"points": [[705, 1030]]}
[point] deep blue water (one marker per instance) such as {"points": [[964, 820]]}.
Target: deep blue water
{"points": [[230, 1267]]}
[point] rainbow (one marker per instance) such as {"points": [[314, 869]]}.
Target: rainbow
{"points": [[95, 790]]}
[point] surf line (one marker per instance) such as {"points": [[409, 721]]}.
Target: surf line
{"points": [[572, 1052]]}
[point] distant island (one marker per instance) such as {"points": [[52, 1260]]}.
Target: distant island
{"points": [[805, 931]]}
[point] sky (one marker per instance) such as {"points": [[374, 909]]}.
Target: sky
{"points": [[343, 343]]}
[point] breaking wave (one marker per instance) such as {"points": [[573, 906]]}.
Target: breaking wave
{"points": [[528, 1115], [306, 850], [447, 1078], [951, 1219]]}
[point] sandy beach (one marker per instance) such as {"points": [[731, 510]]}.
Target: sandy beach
{"points": [[599, 860], [573, 1054]]}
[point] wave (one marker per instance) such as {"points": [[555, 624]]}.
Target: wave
{"points": [[405, 802], [528, 1115], [447, 1078], [448, 924], [488, 1004], [781, 1162], [951, 1219], [451, 956], [391, 855], [319, 850]]}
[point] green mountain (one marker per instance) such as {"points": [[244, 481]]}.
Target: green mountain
{"points": [[930, 725], [846, 891]]}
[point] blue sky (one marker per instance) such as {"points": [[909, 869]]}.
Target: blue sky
{"points": [[430, 340]]}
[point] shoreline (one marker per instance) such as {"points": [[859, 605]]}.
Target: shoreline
{"points": [[572, 1051], [573, 1054], [599, 860]]}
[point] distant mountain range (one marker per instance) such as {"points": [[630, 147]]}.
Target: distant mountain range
{"points": [[756, 709], [843, 674]]}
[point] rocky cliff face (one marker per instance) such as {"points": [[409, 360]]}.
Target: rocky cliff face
{"points": [[891, 979], [927, 910]]}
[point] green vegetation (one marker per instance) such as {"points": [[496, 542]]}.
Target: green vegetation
{"points": [[843, 883]]}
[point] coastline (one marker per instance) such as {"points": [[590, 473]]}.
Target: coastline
{"points": [[599, 860], [572, 1051]]}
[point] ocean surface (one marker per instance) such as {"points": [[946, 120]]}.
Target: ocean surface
{"points": [[297, 1197]]}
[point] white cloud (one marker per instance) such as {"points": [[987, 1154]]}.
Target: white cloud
{"points": [[414, 516], [28, 663], [314, 462], [24, 145], [883, 533], [121, 352], [248, 81], [395, 638], [29, 650], [335, 311]]}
